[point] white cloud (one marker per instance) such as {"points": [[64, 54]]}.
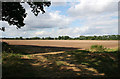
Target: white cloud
{"points": [[84, 0], [97, 17], [54, 4], [41, 33], [47, 20], [88, 8], [64, 0]]}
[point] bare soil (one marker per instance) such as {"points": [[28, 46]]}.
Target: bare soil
{"points": [[85, 44]]}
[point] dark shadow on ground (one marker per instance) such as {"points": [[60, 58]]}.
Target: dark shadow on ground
{"points": [[30, 49], [24, 68], [105, 62]]}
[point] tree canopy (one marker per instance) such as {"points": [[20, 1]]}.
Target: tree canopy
{"points": [[104, 37], [14, 13]]}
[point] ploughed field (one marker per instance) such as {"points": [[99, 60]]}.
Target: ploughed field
{"points": [[85, 44]]}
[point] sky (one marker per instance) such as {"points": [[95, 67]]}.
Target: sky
{"points": [[69, 18]]}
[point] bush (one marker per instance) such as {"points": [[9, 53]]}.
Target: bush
{"points": [[97, 48], [5, 44], [10, 56], [6, 47]]}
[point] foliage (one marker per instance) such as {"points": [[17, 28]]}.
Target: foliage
{"points": [[14, 13], [97, 48], [63, 37], [10, 56], [6, 47], [104, 37], [4, 44]]}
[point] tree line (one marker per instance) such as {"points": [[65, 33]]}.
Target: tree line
{"points": [[104, 37]]}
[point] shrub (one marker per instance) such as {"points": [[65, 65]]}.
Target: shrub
{"points": [[97, 48], [5, 44], [10, 56], [6, 47]]}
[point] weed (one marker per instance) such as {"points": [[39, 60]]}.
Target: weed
{"points": [[97, 48]]}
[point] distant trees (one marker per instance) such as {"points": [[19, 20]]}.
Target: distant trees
{"points": [[63, 38], [104, 37], [21, 38]]}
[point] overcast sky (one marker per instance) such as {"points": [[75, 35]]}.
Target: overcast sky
{"points": [[84, 17]]}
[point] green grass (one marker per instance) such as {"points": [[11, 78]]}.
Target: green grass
{"points": [[97, 48]]}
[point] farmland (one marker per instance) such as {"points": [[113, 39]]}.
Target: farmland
{"points": [[59, 58], [72, 39], [85, 44]]}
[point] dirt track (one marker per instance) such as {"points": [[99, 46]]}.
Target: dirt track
{"points": [[65, 43]]}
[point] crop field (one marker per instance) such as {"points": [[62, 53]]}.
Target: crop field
{"points": [[84, 44]]}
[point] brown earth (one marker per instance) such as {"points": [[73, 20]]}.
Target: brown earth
{"points": [[85, 44]]}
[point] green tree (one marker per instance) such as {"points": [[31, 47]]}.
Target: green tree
{"points": [[21, 38], [82, 38], [59, 37]]}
